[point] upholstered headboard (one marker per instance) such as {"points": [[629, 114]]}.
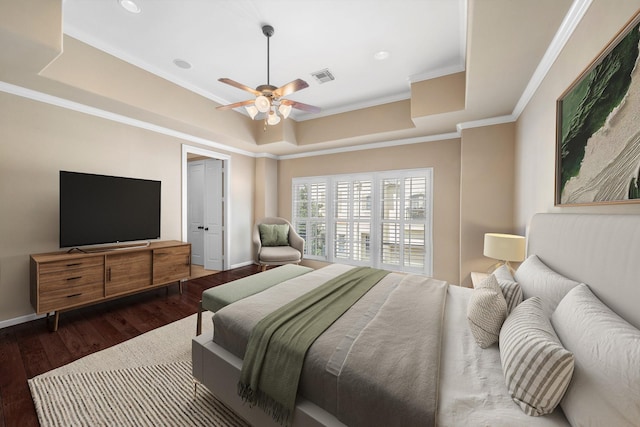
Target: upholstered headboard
{"points": [[602, 251]]}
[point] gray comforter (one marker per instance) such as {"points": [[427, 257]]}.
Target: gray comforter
{"points": [[378, 364]]}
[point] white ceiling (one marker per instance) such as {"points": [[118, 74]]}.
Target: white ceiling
{"points": [[223, 38]]}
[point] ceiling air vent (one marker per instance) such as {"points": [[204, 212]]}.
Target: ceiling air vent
{"points": [[323, 76]]}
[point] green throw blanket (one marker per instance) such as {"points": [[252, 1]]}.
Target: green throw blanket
{"points": [[279, 342]]}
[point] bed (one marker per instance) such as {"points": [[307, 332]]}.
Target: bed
{"points": [[471, 387]]}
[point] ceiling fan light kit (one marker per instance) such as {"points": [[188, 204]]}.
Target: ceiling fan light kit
{"points": [[273, 119], [263, 104], [269, 103], [252, 110], [284, 110]]}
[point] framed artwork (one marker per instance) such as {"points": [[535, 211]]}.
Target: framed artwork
{"points": [[598, 128]]}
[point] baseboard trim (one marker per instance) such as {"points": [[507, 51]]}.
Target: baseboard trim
{"points": [[241, 264], [21, 319]]}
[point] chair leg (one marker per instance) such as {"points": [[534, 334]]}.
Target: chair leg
{"points": [[263, 267]]}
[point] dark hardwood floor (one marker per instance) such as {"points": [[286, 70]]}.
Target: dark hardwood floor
{"points": [[29, 349]]}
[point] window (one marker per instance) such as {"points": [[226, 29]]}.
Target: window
{"points": [[309, 216], [380, 219], [352, 220]]}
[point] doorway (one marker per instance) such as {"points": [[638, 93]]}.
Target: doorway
{"points": [[205, 207]]}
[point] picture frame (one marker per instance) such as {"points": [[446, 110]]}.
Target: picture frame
{"points": [[598, 127]]}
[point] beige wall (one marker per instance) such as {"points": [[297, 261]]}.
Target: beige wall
{"points": [[439, 95], [535, 130], [240, 230], [38, 140], [266, 197], [443, 156], [486, 192]]}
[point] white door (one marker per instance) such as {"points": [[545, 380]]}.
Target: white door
{"points": [[214, 199], [195, 210]]}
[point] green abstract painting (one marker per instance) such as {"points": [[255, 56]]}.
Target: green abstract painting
{"points": [[598, 129]]}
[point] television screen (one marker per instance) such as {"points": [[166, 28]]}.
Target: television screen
{"points": [[96, 209]]}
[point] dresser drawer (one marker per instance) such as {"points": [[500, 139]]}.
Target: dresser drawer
{"points": [[70, 296], [171, 264], [64, 279], [71, 264]]}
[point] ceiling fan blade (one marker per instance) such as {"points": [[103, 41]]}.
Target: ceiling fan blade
{"points": [[239, 86], [237, 104], [290, 87], [300, 106]]}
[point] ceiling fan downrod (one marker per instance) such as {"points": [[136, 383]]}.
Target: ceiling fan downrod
{"points": [[268, 31]]}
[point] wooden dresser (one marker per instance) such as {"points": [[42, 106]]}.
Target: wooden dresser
{"points": [[62, 281]]}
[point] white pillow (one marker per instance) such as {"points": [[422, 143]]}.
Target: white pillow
{"points": [[537, 368], [511, 290], [605, 389], [486, 312], [503, 273], [536, 279]]}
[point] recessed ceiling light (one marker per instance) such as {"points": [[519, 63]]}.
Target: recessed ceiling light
{"points": [[130, 6], [181, 63], [381, 55]]}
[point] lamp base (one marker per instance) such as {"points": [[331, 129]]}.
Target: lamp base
{"points": [[499, 264]]}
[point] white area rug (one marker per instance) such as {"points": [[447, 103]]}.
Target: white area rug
{"points": [[145, 381]]}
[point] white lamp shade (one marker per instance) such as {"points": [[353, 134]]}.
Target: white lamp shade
{"points": [[252, 110], [262, 103], [273, 119], [285, 110], [504, 247]]}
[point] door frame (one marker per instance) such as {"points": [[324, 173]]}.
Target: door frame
{"points": [[226, 159]]}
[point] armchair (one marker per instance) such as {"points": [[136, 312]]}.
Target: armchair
{"points": [[274, 250]]}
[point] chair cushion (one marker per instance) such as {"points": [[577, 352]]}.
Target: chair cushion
{"points": [[274, 234], [279, 254]]}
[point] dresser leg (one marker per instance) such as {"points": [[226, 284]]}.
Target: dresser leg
{"points": [[56, 318]]}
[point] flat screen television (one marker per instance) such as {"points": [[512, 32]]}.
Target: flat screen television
{"points": [[99, 209]]}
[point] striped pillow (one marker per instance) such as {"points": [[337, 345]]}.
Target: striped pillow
{"points": [[486, 312], [510, 288], [537, 368], [512, 293]]}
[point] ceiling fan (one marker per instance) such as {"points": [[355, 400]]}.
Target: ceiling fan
{"points": [[270, 99]]}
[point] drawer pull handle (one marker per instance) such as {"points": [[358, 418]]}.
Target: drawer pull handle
{"points": [[74, 295], [75, 278], [74, 264]]}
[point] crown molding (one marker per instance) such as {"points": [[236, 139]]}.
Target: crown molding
{"points": [[491, 121], [566, 29], [374, 145], [82, 108]]}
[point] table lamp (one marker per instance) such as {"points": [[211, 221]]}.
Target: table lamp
{"points": [[504, 248]]}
